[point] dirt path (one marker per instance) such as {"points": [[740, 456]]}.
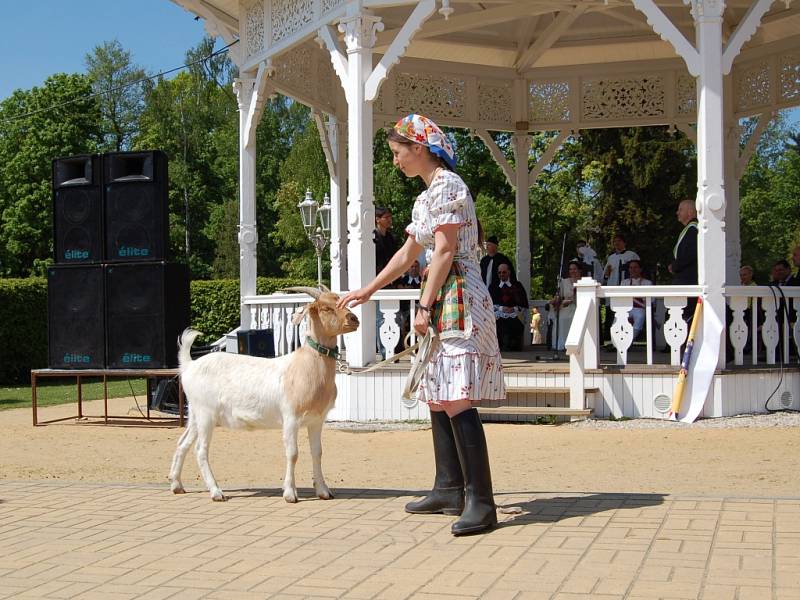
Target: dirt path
{"points": [[735, 462]]}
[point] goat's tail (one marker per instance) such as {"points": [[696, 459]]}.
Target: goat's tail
{"points": [[185, 342]]}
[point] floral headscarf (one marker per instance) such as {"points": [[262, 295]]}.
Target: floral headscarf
{"points": [[423, 131]]}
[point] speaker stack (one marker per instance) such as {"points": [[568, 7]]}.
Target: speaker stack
{"points": [[114, 300]]}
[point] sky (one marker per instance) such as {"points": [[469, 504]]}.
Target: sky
{"points": [[42, 37], [54, 36]]}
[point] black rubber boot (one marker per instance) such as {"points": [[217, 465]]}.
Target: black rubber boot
{"points": [[447, 495], [479, 509]]}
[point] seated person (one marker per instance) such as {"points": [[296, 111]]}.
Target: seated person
{"points": [[510, 301], [412, 277], [536, 323], [564, 304], [636, 316]]}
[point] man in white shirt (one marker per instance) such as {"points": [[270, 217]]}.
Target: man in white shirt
{"points": [[637, 315], [616, 265], [616, 270]]}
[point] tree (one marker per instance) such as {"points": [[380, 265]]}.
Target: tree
{"points": [[194, 119], [304, 169], [60, 118], [635, 178], [121, 99]]}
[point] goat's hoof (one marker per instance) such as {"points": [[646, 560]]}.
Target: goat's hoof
{"points": [[324, 493], [218, 496], [290, 496], [178, 489]]}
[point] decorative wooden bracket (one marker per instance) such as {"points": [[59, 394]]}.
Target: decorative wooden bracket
{"points": [[547, 156], [669, 33], [746, 29], [498, 156], [257, 100], [398, 47]]}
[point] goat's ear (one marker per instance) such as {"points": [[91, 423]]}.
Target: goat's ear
{"points": [[298, 317]]}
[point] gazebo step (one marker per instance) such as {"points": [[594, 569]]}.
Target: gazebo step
{"points": [[545, 390], [557, 411]]}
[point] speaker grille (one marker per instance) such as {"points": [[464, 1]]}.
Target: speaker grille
{"points": [[136, 216], [148, 306], [77, 211], [75, 305]]}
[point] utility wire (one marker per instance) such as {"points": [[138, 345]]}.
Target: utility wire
{"points": [[120, 87]]}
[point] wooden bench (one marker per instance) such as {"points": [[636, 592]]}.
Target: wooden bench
{"points": [[80, 374]]}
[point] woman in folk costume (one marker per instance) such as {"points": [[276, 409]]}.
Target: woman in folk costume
{"points": [[465, 367]]}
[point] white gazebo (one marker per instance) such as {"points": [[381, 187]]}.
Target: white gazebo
{"points": [[522, 66]]}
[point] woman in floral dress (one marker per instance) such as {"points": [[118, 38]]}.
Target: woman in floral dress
{"points": [[465, 368]]}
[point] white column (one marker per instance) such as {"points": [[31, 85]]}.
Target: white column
{"points": [[359, 36], [338, 184], [710, 160], [733, 240], [522, 146], [248, 236]]}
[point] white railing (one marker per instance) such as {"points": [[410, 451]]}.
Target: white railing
{"points": [[583, 339], [275, 312], [757, 309], [672, 297], [763, 310]]}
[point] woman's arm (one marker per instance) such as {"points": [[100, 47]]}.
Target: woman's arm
{"points": [[398, 265], [444, 250]]}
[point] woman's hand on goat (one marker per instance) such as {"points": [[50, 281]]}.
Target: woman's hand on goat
{"points": [[354, 298]]}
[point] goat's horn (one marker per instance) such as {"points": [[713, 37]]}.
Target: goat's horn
{"points": [[324, 288], [311, 291]]}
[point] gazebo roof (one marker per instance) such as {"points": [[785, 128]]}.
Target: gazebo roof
{"points": [[573, 64], [523, 35]]}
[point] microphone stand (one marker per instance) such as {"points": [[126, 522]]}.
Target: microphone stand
{"points": [[555, 356]]}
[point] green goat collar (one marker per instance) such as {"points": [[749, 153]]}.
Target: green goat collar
{"points": [[324, 350]]}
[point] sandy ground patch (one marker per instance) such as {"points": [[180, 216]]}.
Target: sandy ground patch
{"points": [[753, 461]]}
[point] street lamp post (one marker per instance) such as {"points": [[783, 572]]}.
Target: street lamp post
{"points": [[311, 211]]}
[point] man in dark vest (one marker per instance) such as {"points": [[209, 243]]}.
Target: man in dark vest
{"points": [[492, 261], [684, 265]]}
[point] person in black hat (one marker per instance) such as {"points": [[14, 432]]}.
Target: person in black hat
{"points": [[492, 261]]}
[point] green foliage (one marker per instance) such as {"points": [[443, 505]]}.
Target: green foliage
{"points": [[23, 328], [635, 178], [50, 392], [498, 218], [112, 72], [30, 138], [215, 304], [194, 119], [23, 317], [770, 212], [303, 169]]}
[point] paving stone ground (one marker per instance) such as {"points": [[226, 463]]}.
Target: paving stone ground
{"points": [[61, 540]]}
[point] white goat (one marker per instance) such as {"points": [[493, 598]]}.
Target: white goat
{"points": [[247, 392]]}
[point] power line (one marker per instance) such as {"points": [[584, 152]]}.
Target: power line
{"points": [[119, 87]]}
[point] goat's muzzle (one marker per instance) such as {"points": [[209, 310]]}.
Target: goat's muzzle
{"points": [[351, 323]]}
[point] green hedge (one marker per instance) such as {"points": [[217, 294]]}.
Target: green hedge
{"points": [[215, 303], [23, 318], [23, 328]]}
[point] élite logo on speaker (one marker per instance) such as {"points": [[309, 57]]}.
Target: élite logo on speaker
{"points": [[77, 358], [76, 254], [132, 358], [127, 251]]}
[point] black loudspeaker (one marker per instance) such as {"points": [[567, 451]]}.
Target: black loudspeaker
{"points": [[75, 311], [147, 307], [256, 342], [78, 209], [136, 206]]}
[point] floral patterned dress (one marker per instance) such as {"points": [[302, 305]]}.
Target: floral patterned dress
{"points": [[466, 364]]}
